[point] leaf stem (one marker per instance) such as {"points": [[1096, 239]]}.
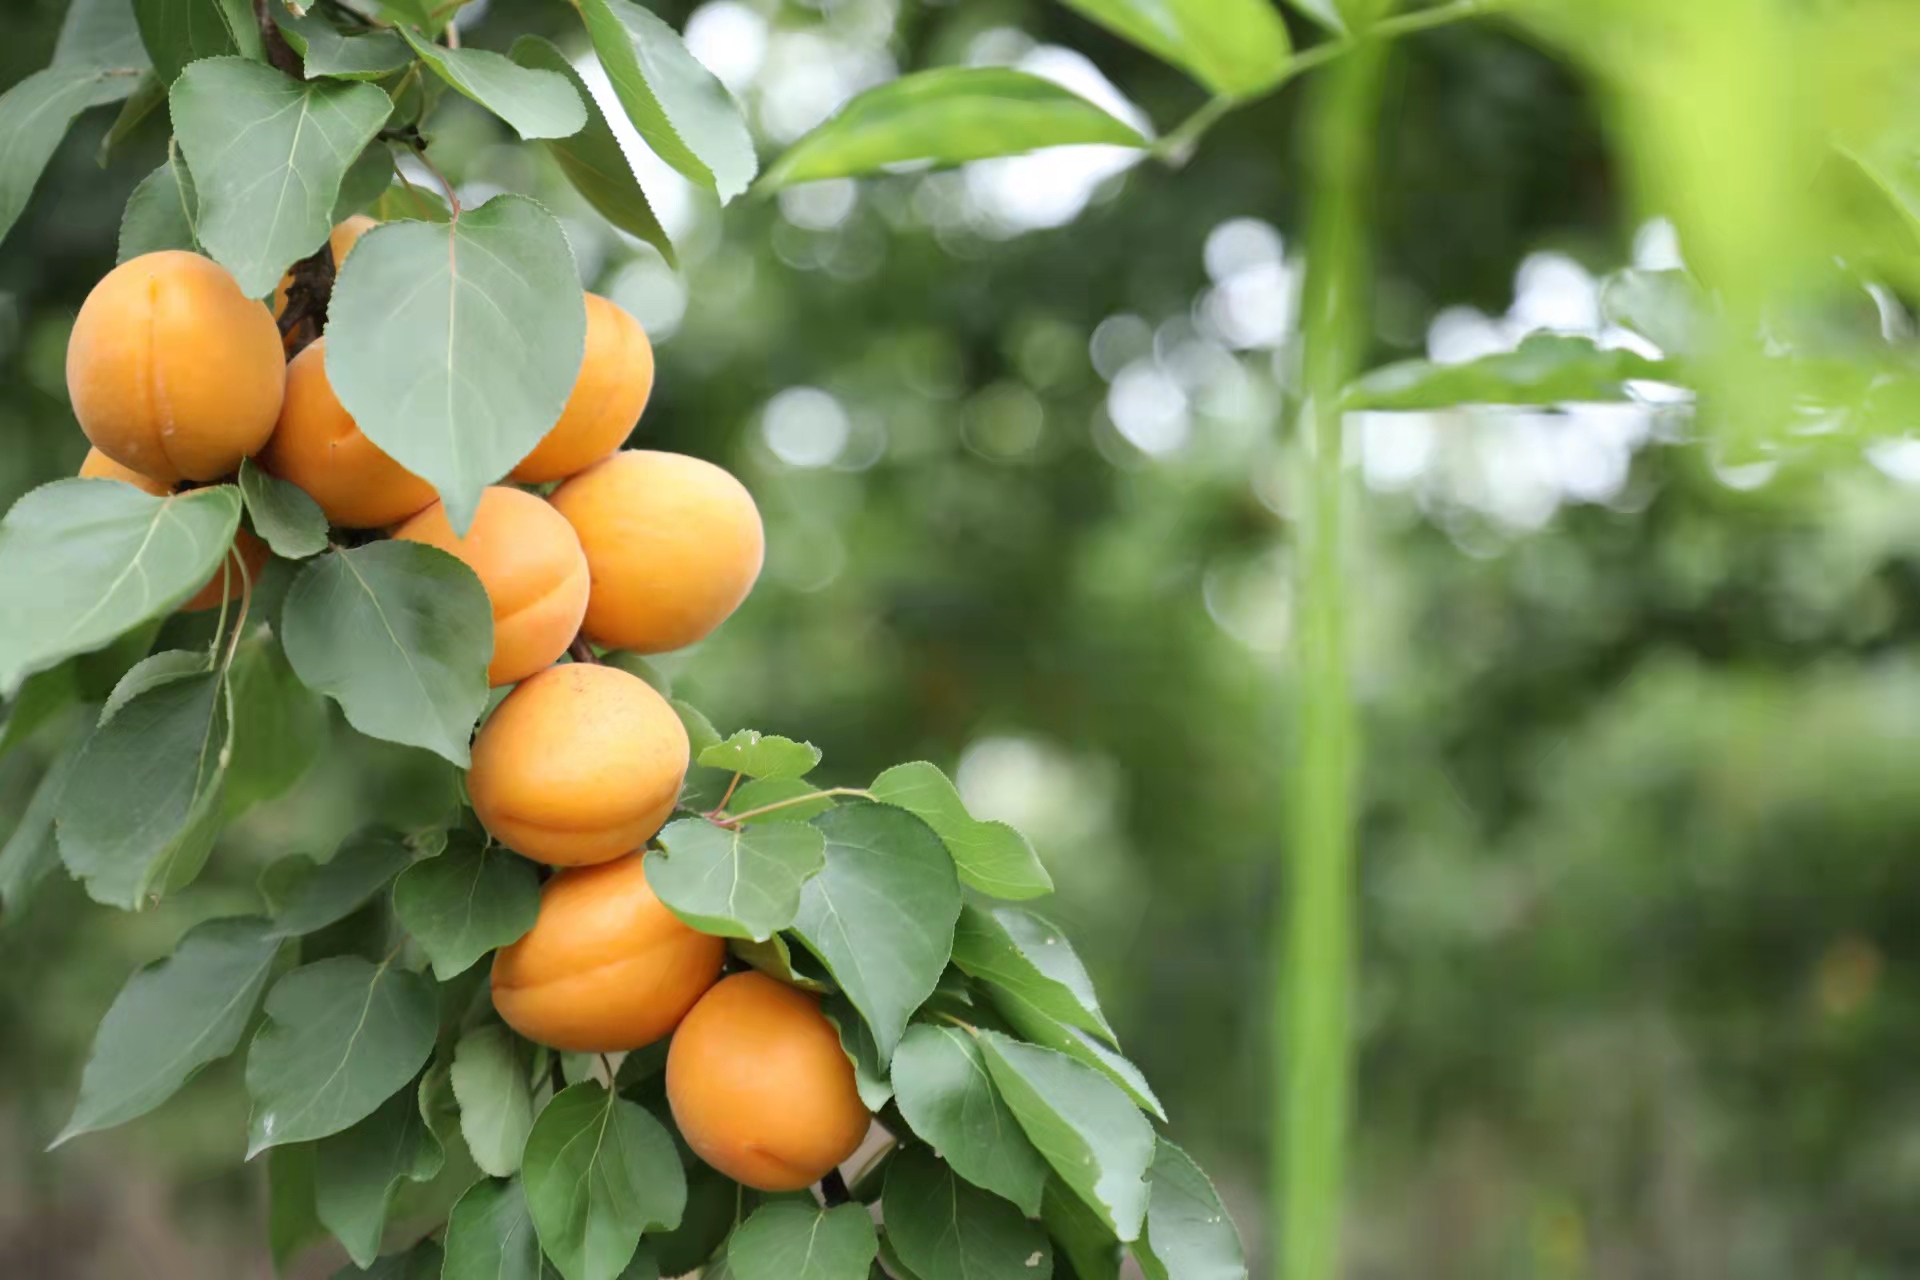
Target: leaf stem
{"points": [[453, 199], [721, 808], [735, 819]]}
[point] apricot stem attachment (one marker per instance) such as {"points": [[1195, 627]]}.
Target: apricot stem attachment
{"points": [[731, 786], [735, 819], [581, 651]]}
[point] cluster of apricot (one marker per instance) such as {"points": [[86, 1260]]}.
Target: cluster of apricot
{"points": [[175, 375]]}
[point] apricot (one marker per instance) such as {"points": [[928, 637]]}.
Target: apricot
{"points": [[760, 1086], [531, 564], [606, 965], [98, 466], [318, 446], [341, 240], [172, 370], [247, 549], [616, 377], [580, 764], [673, 546]]}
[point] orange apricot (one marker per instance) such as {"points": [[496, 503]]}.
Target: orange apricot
{"points": [[226, 582], [673, 546], [606, 965], [580, 764], [616, 377], [530, 562], [341, 240], [98, 466], [172, 370], [760, 1086], [319, 447]]}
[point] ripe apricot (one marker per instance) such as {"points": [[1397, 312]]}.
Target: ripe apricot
{"points": [[760, 1086], [531, 564], [98, 466], [319, 447], [606, 965], [341, 240], [673, 545], [247, 549], [580, 764], [616, 377], [172, 370]]}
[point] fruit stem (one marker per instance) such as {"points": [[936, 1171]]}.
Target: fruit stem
{"points": [[735, 819], [581, 651]]}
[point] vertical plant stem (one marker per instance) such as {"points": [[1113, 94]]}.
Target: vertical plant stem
{"points": [[1315, 935]]}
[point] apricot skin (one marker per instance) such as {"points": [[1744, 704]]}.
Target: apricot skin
{"points": [[172, 370], [247, 549], [341, 240], [98, 466], [580, 764], [318, 446], [673, 545], [616, 377], [760, 1087], [606, 966], [530, 562]]}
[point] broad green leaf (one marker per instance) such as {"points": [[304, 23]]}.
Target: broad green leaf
{"points": [[422, 1262], [738, 883], [1328, 13], [474, 897], [399, 634], [1048, 1033], [856, 1040], [1548, 368], [881, 913], [41, 697], [1665, 307], [455, 347], [1077, 1231], [341, 885], [268, 153], [83, 561], [403, 201], [1236, 48], [292, 1222], [538, 104], [279, 725], [325, 50], [599, 1170], [357, 1171], [992, 856], [947, 116], [148, 96], [1013, 949], [761, 755], [685, 115], [797, 1240], [35, 115], [1188, 1234], [171, 1019], [31, 851], [140, 811], [700, 731], [291, 522], [177, 32], [100, 33], [159, 213], [491, 1237], [760, 792], [368, 178], [774, 958], [946, 1093], [491, 1078], [945, 1228], [1084, 1126], [341, 1037], [716, 1204], [593, 160]]}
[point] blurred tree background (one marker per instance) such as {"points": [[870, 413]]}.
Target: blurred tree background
{"points": [[1638, 995]]}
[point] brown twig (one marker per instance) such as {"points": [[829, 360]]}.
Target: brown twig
{"points": [[279, 52], [581, 651], [309, 293]]}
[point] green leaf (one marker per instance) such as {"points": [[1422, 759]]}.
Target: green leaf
{"points": [[491, 1237], [268, 153], [761, 755], [774, 958], [1236, 48], [685, 115], [1084, 1126], [1325, 12], [599, 1171], [797, 1240], [455, 347], [40, 698], [947, 1229], [292, 1222], [399, 634], [1049, 1033], [357, 1171], [538, 104], [283, 514], [700, 731], [856, 1040], [1188, 1234], [402, 202], [765, 791], [491, 1079], [422, 1262], [1077, 1231], [148, 96], [327, 51], [992, 856], [715, 1206], [1548, 368], [947, 116], [83, 561], [342, 884], [946, 1093], [35, 115], [279, 725], [100, 33], [171, 1019], [341, 1037], [140, 811], [738, 883], [159, 213], [474, 897], [593, 160], [31, 851], [881, 913], [177, 32], [367, 180], [1015, 950]]}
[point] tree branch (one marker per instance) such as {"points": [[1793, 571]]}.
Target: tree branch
{"points": [[279, 52], [309, 293]]}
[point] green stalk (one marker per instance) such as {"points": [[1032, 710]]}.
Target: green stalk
{"points": [[1314, 992]]}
